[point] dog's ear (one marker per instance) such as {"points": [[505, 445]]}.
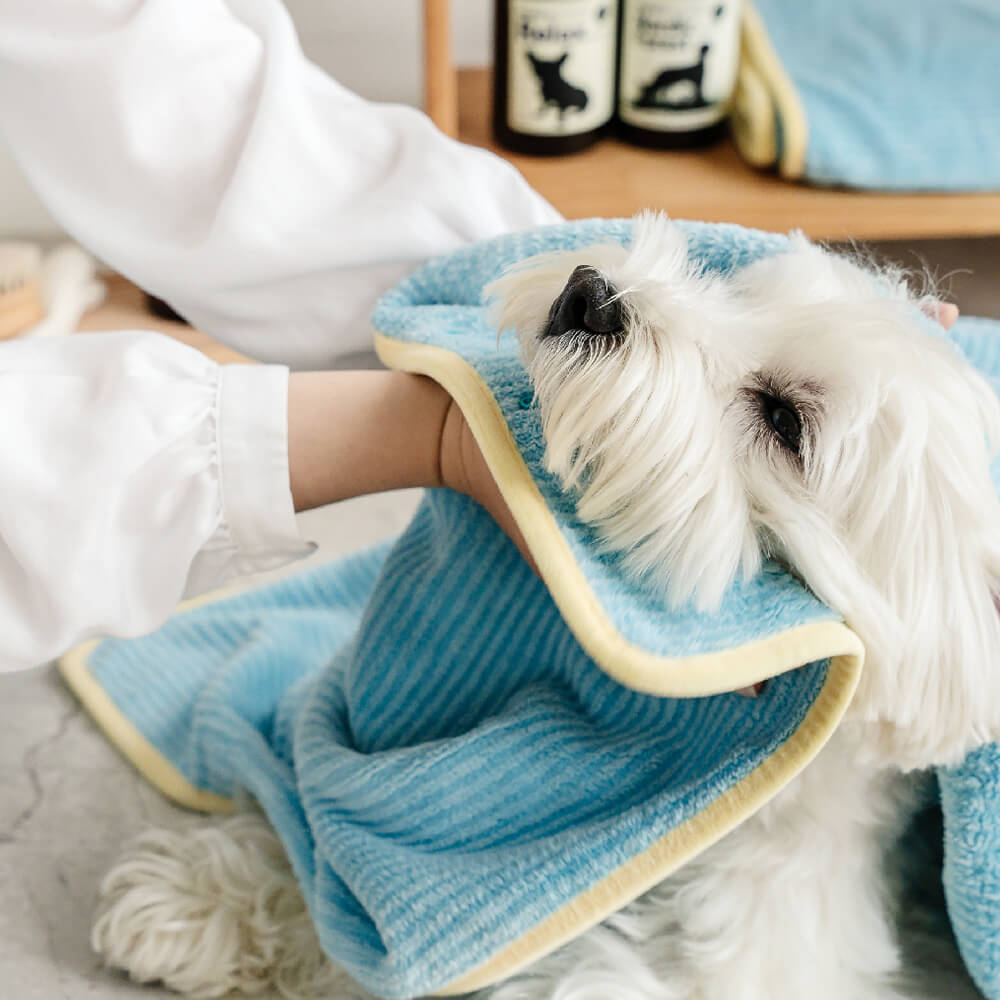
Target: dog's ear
{"points": [[934, 551], [904, 535], [806, 274], [920, 583]]}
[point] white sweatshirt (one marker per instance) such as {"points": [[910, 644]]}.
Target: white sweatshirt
{"points": [[191, 146]]}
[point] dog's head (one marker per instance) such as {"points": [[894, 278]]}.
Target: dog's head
{"points": [[800, 410]]}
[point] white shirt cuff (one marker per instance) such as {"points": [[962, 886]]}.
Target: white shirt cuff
{"points": [[257, 530]]}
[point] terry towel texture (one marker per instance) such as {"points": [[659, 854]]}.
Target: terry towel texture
{"points": [[893, 95], [468, 765]]}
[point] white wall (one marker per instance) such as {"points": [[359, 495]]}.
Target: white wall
{"points": [[373, 47], [21, 213]]}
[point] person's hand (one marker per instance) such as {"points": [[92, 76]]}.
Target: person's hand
{"points": [[464, 469], [351, 433], [944, 313]]}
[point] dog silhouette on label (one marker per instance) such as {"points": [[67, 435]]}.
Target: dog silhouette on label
{"points": [[556, 91], [676, 87]]}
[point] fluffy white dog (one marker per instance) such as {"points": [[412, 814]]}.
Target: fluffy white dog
{"points": [[797, 410]]}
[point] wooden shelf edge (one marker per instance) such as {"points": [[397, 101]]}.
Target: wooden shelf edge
{"points": [[716, 185]]}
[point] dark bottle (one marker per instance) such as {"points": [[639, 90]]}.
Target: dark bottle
{"points": [[554, 73], [677, 69]]}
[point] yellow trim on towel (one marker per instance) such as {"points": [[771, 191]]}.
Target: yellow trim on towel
{"points": [[665, 856], [123, 734], [751, 118], [627, 663], [634, 877], [765, 95]]}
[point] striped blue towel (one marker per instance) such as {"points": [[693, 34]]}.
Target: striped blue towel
{"points": [[469, 765]]}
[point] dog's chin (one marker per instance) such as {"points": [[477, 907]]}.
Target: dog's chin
{"points": [[625, 436], [552, 359], [566, 355], [577, 381]]}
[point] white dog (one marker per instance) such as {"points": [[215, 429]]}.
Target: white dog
{"points": [[797, 410]]}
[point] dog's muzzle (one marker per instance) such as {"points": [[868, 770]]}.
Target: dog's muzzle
{"points": [[588, 305]]}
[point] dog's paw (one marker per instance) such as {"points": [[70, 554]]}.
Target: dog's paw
{"points": [[209, 911]]}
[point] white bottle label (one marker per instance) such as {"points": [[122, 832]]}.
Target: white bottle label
{"points": [[560, 65], [679, 60]]}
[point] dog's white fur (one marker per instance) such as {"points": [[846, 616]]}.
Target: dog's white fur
{"points": [[888, 514]]}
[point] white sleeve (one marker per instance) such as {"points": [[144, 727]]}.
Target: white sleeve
{"points": [[133, 470], [191, 145]]}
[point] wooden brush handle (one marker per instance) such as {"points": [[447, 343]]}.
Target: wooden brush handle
{"points": [[20, 309]]}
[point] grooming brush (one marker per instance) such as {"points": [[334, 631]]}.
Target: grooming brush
{"points": [[20, 288]]}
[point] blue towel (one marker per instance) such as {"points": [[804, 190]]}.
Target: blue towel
{"points": [[970, 792], [893, 95], [469, 766]]}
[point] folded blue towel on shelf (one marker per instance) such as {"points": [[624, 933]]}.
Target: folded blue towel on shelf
{"points": [[894, 95], [469, 765]]}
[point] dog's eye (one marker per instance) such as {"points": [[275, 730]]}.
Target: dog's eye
{"points": [[786, 426], [784, 421]]}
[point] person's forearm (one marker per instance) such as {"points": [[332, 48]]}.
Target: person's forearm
{"points": [[359, 432], [356, 432]]}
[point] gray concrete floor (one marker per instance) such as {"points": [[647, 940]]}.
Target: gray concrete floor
{"points": [[68, 801]]}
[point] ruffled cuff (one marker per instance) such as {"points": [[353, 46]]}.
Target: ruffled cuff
{"points": [[257, 529]]}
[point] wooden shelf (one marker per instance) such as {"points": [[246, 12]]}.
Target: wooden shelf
{"points": [[715, 185]]}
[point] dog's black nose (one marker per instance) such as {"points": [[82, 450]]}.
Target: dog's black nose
{"points": [[588, 304]]}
